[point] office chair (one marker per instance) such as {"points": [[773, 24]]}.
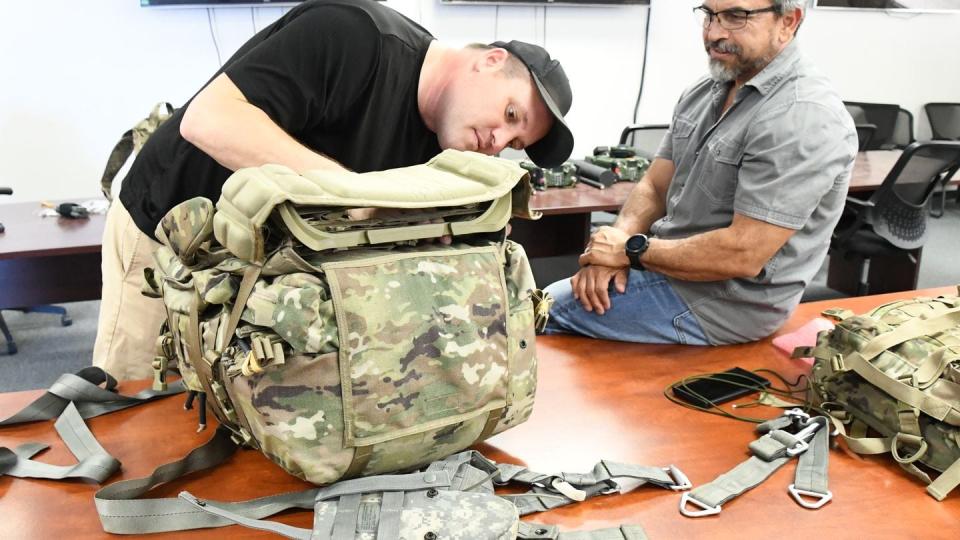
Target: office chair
{"points": [[944, 120], [644, 137], [865, 135], [945, 125], [65, 319], [892, 222], [894, 125]]}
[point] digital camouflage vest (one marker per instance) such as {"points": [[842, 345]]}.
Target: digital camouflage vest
{"points": [[896, 370], [344, 347]]}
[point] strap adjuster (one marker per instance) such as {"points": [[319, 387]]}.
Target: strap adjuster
{"points": [[803, 437], [680, 480], [803, 496], [705, 510], [567, 490]]}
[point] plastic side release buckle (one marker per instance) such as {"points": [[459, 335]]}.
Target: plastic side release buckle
{"points": [[680, 480], [704, 509], [803, 497]]}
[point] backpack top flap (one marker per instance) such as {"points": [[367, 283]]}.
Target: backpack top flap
{"points": [[452, 178]]}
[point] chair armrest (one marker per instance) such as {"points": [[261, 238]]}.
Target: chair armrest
{"points": [[865, 203]]}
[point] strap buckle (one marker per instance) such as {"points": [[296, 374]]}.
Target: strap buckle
{"points": [[803, 497], [796, 414], [704, 509], [567, 490], [803, 439], [680, 480]]}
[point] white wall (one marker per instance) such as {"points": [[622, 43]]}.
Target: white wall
{"points": [[74, 82]]}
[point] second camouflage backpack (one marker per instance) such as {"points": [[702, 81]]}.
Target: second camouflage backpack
{"points": [[896, 371], [346, 347]]}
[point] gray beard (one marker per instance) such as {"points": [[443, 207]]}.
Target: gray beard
{"points": [[721, 73], [724, 74]]}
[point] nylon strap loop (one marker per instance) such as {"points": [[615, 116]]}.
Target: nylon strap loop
{"points": [[910, 330]]}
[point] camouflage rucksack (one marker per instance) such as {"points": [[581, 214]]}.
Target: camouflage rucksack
{"points": [[896, 371], [344, 347]]}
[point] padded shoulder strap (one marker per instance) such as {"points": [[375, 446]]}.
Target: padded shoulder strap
{"points": [[452, 178]]}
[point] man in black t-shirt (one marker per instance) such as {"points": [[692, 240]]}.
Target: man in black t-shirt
{"points": [[332, 84]]}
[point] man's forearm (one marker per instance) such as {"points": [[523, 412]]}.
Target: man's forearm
{"points": [[710, 256], [740, 250], [642, 208], [260, 141], [647, 202], [222, 123]]}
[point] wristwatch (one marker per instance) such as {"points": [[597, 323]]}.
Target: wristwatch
{"points": [[635, 247]]}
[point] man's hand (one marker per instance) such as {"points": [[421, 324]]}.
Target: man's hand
{"points": [[590, 285], [606, 248]]}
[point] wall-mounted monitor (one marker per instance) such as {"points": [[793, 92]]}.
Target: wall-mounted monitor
{"points": [[550, 2], [892, 5]]}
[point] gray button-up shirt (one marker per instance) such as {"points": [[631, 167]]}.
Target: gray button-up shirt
{"points": [[782, 154]]}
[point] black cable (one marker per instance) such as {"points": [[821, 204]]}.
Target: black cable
{"points": [[789, 392], [214, 36], [643, 68], [253, 20]]}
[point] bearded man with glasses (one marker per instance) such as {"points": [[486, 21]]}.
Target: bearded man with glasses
{"points": [[733, 219]]}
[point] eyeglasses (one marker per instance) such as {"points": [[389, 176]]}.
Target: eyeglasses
{"points": [[729, 19]]}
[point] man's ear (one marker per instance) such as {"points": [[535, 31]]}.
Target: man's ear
{"points": [[790, 21], [492, 59]]}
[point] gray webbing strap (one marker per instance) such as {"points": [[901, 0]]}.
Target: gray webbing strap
{"points": [[91, 400], [259, 524], [809, 486], [391, 510], [120, 514], [552, 491], [345, 523], [770, 453], [386, 482], [531, 531], [94, 463], [477, 477], [189, 512], [180, 514]]}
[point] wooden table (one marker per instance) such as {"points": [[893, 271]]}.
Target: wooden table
{"points": [[45, 260], [553, 242], [872, 167], [596, 399]]}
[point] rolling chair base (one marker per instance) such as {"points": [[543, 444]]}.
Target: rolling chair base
{"points": [[65, 320]]}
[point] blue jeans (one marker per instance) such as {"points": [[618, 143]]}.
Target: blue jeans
{"points": [[649, 311]]}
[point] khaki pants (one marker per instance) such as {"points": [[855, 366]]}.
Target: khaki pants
{"points": [[129, 322]]}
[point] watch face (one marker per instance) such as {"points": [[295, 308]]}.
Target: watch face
{"points": [[636, 243]]}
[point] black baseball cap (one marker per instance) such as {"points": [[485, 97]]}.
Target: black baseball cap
{"points": [[554, 87]]}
